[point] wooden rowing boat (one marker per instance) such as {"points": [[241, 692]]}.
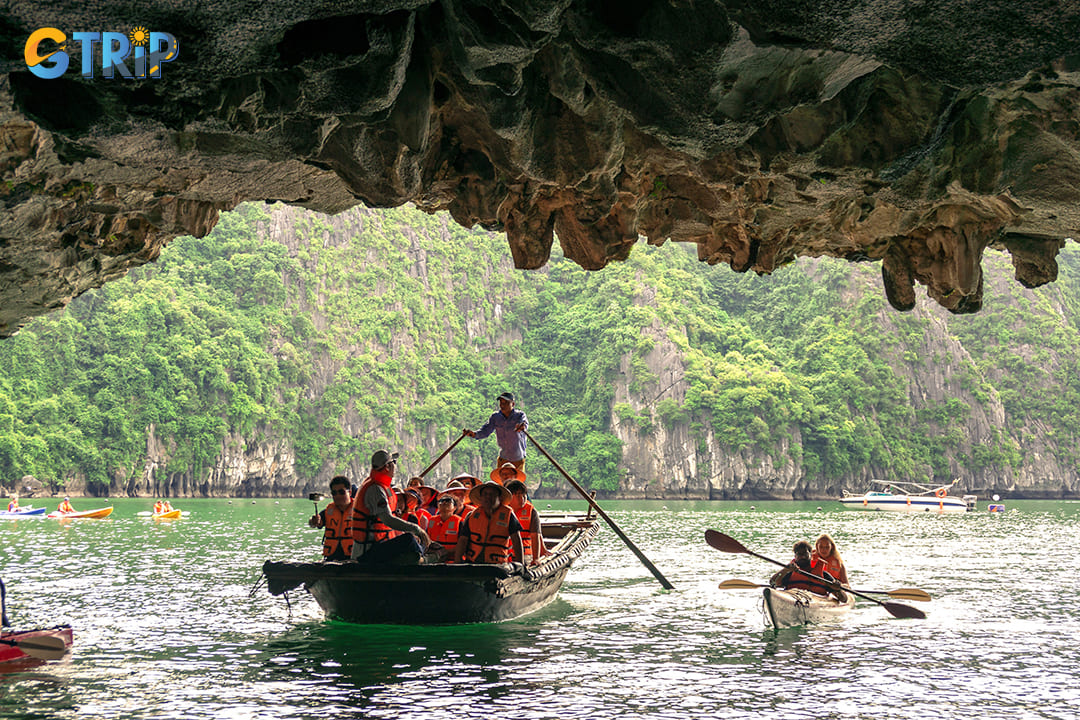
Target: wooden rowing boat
{"points": [[788, 608], [436, 594], [97, 513]]}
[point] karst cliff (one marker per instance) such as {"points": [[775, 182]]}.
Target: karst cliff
{"points": [[911, 134]]}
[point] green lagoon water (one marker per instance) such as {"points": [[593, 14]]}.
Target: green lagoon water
{"points": [[165, 627]]}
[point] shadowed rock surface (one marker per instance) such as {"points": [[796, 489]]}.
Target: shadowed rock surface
{"points": [[913, 135]]}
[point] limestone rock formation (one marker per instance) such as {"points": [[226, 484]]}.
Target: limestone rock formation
{"points": [[916, 135]]}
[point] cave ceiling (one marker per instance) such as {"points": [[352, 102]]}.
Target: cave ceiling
{"points": [[913, 134]]}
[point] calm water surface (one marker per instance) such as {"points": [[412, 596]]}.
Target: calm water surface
{"points": [[165, 627]]}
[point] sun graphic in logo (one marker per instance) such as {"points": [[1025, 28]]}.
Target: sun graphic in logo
{"points": [[139, 36]]}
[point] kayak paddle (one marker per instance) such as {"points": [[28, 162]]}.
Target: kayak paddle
{"points": [[728, 544], [899, 593], [43, 648]]}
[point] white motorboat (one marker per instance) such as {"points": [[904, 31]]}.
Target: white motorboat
{"points": [[907, 497]]}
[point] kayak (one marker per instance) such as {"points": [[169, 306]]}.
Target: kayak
{"points": [[171, 515], [38, 644], [99, 513], [21, 513], [788, 608]]}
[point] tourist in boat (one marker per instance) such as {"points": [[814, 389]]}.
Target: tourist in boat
{"points": [[428, 497], [443, 528], [825, 552], [336, 520], [13, 505], [166, 506], [466, 482], [65, 506], [407, 504], [531, 532], [379, 536], [492, 533], [458, 492], [159, 507], [796, 576], [509, 426]]}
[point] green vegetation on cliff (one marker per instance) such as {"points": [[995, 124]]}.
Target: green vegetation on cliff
{"points": [[395, 327]]}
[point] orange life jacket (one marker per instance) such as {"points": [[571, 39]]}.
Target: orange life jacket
{"points": [[524, 516], [799, 580], [423, 518], [65, 507], [833, 565], [489, 538], [368, 529], [337, 538], [444, 532]]}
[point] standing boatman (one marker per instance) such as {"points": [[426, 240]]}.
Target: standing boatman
{"points": [[509, 426]]}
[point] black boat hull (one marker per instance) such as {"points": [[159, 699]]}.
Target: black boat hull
{"points": [[431, 594]]}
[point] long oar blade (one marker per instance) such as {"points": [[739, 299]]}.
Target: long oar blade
{"points": [[736, 584], [725, 543], [899, 593], [44, 648], [903, 611]]}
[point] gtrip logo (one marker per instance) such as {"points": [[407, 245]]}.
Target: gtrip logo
{"points": [[47, 57]]}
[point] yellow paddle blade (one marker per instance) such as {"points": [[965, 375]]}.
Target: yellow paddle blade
{"points": [[735, 584]]}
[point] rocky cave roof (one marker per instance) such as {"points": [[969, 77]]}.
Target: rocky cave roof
{"points": [[915, 134]]}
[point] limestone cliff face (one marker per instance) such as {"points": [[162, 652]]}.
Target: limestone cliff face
{"points": [[911, 135]]}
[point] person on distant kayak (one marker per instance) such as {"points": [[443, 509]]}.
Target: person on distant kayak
{"points": [[825, 552], [532, 538], [336, 520], [166, 506], [65, 506], [13, 506], [796, 576], [158, 508], [379, 536], [492, 533], [509, 426]]}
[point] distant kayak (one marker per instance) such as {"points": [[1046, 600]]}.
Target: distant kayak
{"points": [[99, 513], [22, 512], [171, 515]]}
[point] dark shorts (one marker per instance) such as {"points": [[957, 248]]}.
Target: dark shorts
{"points": [[402, 550]]}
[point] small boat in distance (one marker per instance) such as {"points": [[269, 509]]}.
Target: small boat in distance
{"points": [[789, 608], [167, 515], [28, 511], [438, 594], [97, 513], [910, 497]]}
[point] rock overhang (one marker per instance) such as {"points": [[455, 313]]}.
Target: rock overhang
{"points": [[867, 130]]}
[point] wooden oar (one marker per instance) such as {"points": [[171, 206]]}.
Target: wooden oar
{"points": [[436, 460], [600, 511], [899, 593], [728, 544], [43, 648]]}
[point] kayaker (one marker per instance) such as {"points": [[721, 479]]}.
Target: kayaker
{"points": [[492, 533], [379, 536], [158, 508], [335, 519], [509, 426], [65, 506], [13, 506], [795, 576], [532, 538], [825, 552]]}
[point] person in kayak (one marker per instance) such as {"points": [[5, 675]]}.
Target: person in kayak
{"points": [[825, 552], [335, 518], [13, 506], [796, 576], [65, 506]]}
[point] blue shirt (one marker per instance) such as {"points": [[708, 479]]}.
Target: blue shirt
{"points": [[511, 442]]}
